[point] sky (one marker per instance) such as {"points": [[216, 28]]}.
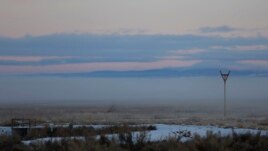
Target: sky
{"points": [[84, 36], [48, 47]]}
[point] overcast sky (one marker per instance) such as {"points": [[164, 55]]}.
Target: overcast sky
{"points": [[39, 17], [66, 36], [82, 37]]}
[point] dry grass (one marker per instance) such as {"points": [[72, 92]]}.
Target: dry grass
{"points": [[114, 114]]}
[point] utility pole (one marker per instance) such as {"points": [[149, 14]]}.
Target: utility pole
{"points": [[224, 77]]}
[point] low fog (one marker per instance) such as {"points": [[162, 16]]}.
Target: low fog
{"points": [[247, 93]]}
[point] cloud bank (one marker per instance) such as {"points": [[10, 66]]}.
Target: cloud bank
{"points": [[73, 53], [217, 29]]}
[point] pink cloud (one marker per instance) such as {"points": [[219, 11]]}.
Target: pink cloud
{"points": [[187, 51], [100, 66], [31, 58], [258, 63], [244, 47], [171, 57]]}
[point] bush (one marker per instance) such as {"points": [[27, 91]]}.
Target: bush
{"points": [[8, 143], [127, 141]]}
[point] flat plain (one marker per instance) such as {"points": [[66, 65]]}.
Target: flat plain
{"points": [[137, 114]]}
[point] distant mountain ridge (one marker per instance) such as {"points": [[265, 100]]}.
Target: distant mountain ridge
{"points": [[171, 72]]}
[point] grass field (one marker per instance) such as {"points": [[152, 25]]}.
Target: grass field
{"points": [[114, 114]]}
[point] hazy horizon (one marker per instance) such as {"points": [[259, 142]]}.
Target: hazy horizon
{"points": [[147, 51], [94, 91]]}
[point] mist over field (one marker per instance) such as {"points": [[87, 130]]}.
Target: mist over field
{"points": [[247, 93]]}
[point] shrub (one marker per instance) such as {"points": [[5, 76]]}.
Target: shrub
{"points": [[127, 141], [11, 143]]}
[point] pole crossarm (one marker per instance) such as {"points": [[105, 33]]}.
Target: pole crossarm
{"points": [[225, 75]]}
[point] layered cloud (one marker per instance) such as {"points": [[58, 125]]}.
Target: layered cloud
{"points": [[73, 53], [230, 31], [187, 51], [244, 47], [32, 58], [256, 63], [217, 29], [100, 66]]}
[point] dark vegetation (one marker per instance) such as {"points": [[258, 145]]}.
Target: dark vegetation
{"points": [[213, 142], [83, 131], [127, 141]]}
